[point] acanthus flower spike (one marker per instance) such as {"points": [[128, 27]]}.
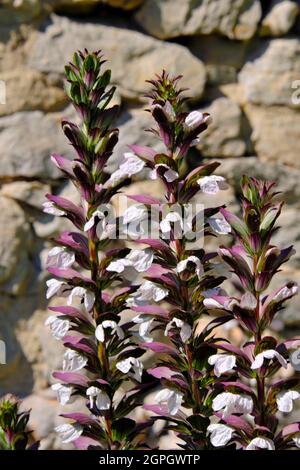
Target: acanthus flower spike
{"points": [[89, 325]]}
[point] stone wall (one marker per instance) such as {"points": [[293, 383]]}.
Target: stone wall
{"points": [[240, 60]]}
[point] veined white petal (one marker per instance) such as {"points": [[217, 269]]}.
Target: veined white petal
{"points": [[261, 443], [99, 333], [98, 397], [49, 208], [73, 361], [185, 329], [63, 392], [220, 226], [285, 400], [232, 403], [268, 354], [212, 184], [134, 213], [172, 398], [69, 432], [60, 257], [131, 363], [220, 434], [286, 292], [58, 327], [54, 287], [193, 120], [222, 363]]}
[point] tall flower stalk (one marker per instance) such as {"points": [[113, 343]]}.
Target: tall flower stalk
{"points": [[89, 325], [249, 399], [182, 275]]}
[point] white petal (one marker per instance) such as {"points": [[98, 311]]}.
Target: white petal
{"points": [[99, 333], [222, 363], [258, 361], [286, 292], [117, 266], [53, 287], [69, 432], [89, 300], [163, 395], [141, 260], [232, 403], [58, 327], [268, 354], [211, 184], [212, 303], [220, 226], [174, 402], [134, 214], [60, 257], [63, 392], [73, 361], [125, 365], [285, 399], [144, 329], [193, 119], [49, 208], [220, 434], [261, 443]]}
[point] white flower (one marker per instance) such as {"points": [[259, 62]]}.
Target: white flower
{"points": [[286, 292], [73, 361], [64, 393], [99, 397], [232, 403], [182, 265], [69, 432], [129, 167], [222, 363], [147, 291], [261, 443], [58, 327], [285, 400], [49, 208], [212, 184], [131, 364], [99, 333], [268, 354], [220, 434], [87, 296], [60, 257], [193, 120], [105, 227], [134, 213], [144, 322], [169, 175], [296, 440], [171, 217], [136, 261], [220, 226], [185, 329], [55, 287], [172, 398]]}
